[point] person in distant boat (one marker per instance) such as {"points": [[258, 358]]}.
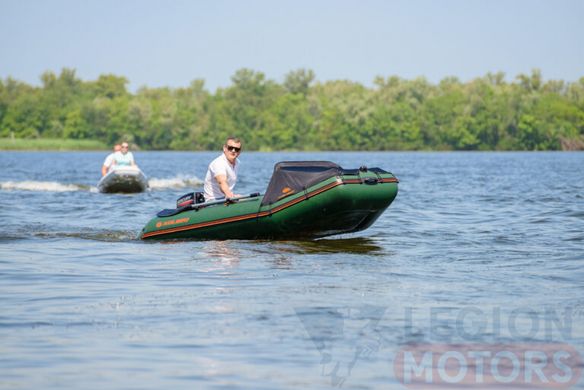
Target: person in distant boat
{"points": [[109, 160], [222, 173], [124, 157]]}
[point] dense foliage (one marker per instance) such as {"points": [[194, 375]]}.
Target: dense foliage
{"points": [[487, 113]]}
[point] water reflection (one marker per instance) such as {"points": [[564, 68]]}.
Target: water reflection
{"points": [[281, 261], [356, 245], [224, 253]]}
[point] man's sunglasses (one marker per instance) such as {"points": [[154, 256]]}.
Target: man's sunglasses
{"points": [[233, 149]]}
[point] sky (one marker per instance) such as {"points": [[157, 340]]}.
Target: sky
{"points": [[173, 42]]}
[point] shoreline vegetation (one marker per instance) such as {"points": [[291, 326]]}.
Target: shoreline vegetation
{"points": [[51, 144], [300, 114], [71, 145]]}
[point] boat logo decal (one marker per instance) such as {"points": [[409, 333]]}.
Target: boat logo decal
{"points": [[171, 222], [285, 192]]}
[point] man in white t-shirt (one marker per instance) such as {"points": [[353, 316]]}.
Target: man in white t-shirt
{"points": [[222, 173], [109, 160]]}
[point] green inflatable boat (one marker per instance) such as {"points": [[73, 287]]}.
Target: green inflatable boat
{"points": [[304, 199]]}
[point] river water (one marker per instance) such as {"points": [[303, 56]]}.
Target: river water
{"points": [[478, 250]]}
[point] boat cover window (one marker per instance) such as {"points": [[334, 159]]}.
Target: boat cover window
{"points": [[291, 177]]}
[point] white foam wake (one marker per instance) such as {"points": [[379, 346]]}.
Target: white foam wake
{"points": [[175, 182], [49, 186]]}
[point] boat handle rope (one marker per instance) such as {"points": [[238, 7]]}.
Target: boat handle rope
{"points": [[369, 180], [379, 179]]}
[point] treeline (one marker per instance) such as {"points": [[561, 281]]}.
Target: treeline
{"points": [[488, 113]]}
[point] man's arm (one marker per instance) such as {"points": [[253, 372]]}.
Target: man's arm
{"points": [[222, 180], [103, 170]]}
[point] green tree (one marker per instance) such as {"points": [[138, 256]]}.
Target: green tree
{"points": [[298, 81]]}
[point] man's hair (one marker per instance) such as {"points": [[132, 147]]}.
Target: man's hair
{"points": [[234, 139]]}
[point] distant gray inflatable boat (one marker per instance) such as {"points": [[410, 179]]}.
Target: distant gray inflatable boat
{"points": [[123, 179]]}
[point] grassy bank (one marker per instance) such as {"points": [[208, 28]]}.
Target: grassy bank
{"points": [[50, 144]]}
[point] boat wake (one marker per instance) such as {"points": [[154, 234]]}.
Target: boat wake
{"points": [[93, 235], [42, 186], [175, 182], [45, 233], [52, 186]]}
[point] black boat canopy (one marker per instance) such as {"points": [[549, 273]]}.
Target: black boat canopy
{"points": [[291, 177]]}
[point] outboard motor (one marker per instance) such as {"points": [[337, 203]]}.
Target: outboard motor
{"points": [[190, 198]]}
